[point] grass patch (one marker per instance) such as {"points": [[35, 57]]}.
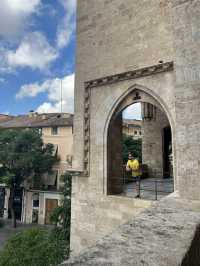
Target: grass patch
{"points": [[34, 247]]}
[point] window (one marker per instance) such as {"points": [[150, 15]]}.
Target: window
{"points": [[135, 132], [140, 133], [35, 200], [51, 180], [54, 131]]}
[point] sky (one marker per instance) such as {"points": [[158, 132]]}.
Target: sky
{"points": [[37, 55]]}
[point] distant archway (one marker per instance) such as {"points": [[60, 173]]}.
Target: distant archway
{"points": [[156, 119]]}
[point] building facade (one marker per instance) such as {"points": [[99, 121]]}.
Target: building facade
{"points": [[37, 203], [128, 52], [132, 128]]}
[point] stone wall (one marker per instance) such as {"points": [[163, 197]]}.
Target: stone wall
{"points": [[94, 216], [114, 37], [186, 21], [152, 143], [159, 236]]}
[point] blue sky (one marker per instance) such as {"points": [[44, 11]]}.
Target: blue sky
{"points": [[37, 53]]}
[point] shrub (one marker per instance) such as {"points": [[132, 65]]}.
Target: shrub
{"points": [[131, 145], [33, 247]]}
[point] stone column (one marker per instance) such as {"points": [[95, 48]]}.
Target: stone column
{"points": [[152, 142], [115, 162], [186, 21]]}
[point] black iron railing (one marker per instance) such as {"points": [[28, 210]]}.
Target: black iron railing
{"points": [[154, 186]]}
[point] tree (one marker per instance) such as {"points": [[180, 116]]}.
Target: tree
{"points": [[133, 146], [23, 156]]}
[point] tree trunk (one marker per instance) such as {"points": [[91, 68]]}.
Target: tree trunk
{"points": [[12, 211]]}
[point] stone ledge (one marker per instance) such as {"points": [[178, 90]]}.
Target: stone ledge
{"points": [[160, 236]]}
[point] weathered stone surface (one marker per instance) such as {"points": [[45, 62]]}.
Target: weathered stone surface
{"points": [[160, 236], [117, 36]]}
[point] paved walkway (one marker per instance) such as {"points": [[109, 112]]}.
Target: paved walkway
{"points": [[148, 188]]}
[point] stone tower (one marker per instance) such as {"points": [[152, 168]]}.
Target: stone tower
{"points": [[132, 51]]}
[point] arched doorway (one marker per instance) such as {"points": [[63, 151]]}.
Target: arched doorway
{"points": [[156, 140]]}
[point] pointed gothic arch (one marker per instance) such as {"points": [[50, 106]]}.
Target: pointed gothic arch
{"points": [[112, 133]]}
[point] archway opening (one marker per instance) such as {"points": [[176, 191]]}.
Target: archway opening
{"points": [[140, 126]]}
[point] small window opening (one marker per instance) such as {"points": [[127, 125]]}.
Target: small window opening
{"points": [[54, 131]]}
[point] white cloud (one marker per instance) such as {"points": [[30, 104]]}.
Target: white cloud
{"points": [[133, 112], [53, 89], [31, 49], [14, 14], [5, 113], [34, 52], [67, 25], [22, 5], [48, 107]]}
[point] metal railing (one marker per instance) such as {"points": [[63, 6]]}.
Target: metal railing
{"points": [[154, 186]]}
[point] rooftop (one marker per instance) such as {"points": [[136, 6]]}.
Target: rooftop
{"points": [[132, 123], [35, 120], [4, 118]]}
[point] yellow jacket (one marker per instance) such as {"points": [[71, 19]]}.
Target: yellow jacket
{"points": [[134, 166]]}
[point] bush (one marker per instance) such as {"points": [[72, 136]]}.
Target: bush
{"points": [[131, 145], [34, 247]]}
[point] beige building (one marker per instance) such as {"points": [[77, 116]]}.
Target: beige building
{"points": [[38, 202], [133, 128], [4, 118]]}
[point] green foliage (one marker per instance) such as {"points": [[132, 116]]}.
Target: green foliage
{"points": [[56, 216], [23, 154], [34, 247], [133, 146], [61, 216]]}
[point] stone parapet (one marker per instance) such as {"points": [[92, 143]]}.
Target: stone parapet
{"points": [[160, 236]]}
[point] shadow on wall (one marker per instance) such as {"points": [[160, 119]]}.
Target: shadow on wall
{"points": [[192, 257]]}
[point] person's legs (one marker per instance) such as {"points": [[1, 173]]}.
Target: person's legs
{"points": [[137, 186]]}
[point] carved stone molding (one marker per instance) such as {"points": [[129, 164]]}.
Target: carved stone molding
{"points": [[138, 73], [86, 130], [143, 72]]}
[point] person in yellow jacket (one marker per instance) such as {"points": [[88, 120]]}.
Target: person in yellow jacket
{"points": [[134, 166]]}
